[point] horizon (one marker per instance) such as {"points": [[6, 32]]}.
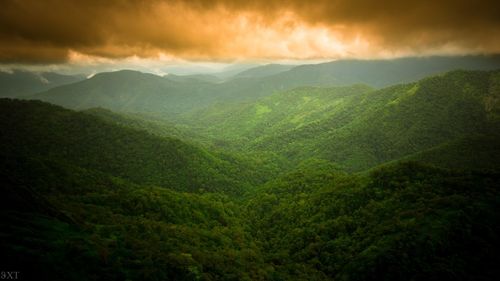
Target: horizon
{"points": [[203, 68]]}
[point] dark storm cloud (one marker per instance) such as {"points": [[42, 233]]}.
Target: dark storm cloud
{"points": [[34, 31]]}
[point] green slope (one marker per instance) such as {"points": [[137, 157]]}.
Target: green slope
{"points": [[151, 124], [358, 128], [35, 128], [401, 120], [258, 166], [278, 113]]}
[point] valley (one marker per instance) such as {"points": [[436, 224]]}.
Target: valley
{"points": [[134, 176]]}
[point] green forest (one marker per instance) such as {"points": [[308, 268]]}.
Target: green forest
{"points": [[132, 176]]}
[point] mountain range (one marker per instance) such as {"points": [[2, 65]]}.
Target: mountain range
{"points": [[169, 96], [348, 170]]}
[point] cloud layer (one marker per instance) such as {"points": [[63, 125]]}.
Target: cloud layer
{"points": [[52, 31]]}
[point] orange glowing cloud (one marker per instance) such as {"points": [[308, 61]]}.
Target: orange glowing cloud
{"points": [[51, 31]]}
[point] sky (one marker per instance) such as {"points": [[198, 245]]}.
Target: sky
{"points": [[153, 34]]}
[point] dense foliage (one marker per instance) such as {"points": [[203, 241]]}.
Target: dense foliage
{"points": [[61, 222], [262, 190], [402, 222], [35, 128], [358, 128]]}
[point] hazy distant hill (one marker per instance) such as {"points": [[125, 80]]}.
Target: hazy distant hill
{"points": [[378, 73], [194, 78], [375, 73], [264, 70], [21, 83]]}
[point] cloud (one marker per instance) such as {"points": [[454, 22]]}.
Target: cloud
{"points": [[52, 31]]}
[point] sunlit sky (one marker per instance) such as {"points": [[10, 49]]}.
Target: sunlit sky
{"points": [[141, 34]]}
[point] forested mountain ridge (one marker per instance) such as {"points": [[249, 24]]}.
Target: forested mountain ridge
{"points": [[101, 195], [152, 125], [43, 130], [128, 90], [280, 112], [382, 73], [355, 126], [133, 91]]}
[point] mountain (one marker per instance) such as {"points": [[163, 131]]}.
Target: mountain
{"points": [[38, 129], [263, 71], [132, 91], [19, 83], [154, 126], [64, 222], [103, 195], [194, 78], [128, 90], [280, 112], [374, 73], [357, 127], [379, 73], [233, 69], [89, 196]]}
